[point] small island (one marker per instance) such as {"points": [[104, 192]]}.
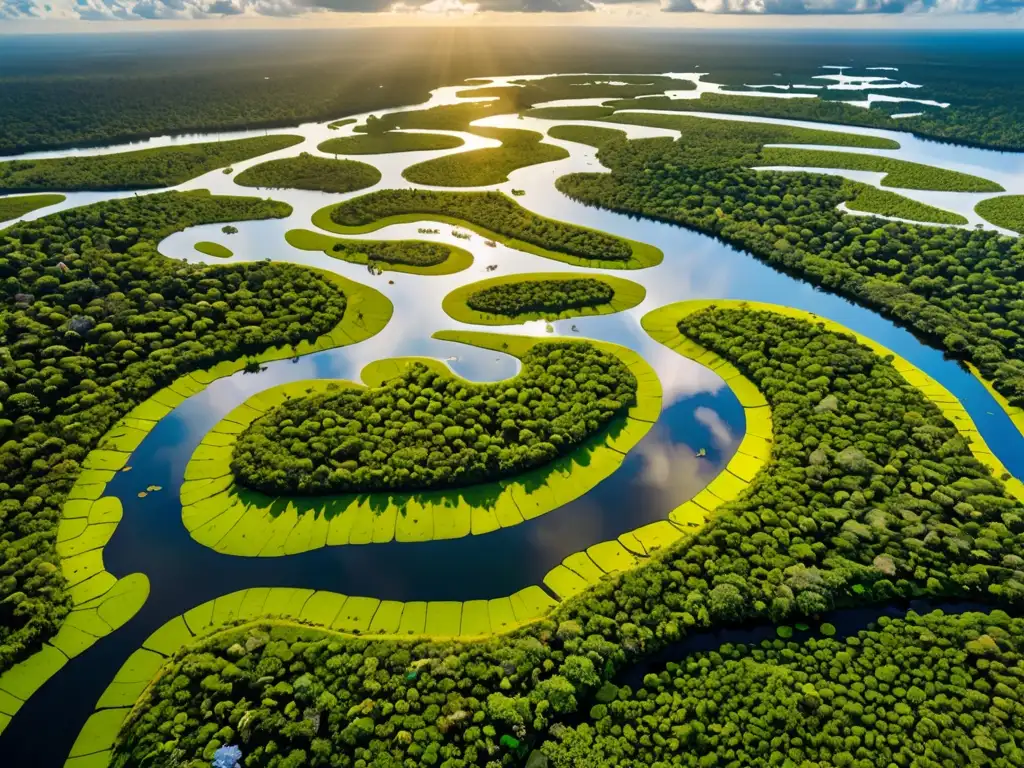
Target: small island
{"points": [[541, 296], [307, 171]]}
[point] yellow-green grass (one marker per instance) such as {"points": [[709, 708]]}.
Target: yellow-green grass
{"points": [[390, 142], [214, 249], [102, 602], [492, 165], [1006, 211], [341, 123], [644, 255], [898, 173], [303, 239], [237, 521], [293, 613], [580, 570], [16, 207], [586, 134], [868, 199], [627, 295]]}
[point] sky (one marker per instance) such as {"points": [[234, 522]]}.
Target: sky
{"points": [[109, 15]]}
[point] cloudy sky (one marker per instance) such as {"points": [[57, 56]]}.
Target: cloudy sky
{"points": [[43, 15]]}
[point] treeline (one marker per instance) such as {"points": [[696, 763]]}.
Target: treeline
{"points": [[431, 430], [1006, 211], [869, 199], [871, 494], [529, 296], [491, 210], [94, 321], [308, 171], [923, 690], [483, 167], [415, 253], [958, 289], [898, 173], [143, 169], [982, 119]]}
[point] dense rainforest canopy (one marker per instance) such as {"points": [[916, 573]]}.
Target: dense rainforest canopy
{"points": [[308, 171], [491, 210], [924, 690], [957, 288], [428, 429], [871, 495], [94, 321], [142, 169]]}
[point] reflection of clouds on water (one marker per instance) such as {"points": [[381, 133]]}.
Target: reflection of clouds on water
{"points": [[722, 436], [673, 471]]}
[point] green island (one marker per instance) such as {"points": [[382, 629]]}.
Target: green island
{"points": [[418, 257], [214, 249], [493, 215], [830, 545], [1006, 211], [914, 273], [540, 296], [16, 207], [869, 199], [353, 439], [221, 513], [586, 134], [483, 167], [898, 173], [308, 171], [947, 680], [142, 169], [386, 143], [337, 124]]}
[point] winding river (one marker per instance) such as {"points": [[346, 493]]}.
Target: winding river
{"points": [[658, 475]]}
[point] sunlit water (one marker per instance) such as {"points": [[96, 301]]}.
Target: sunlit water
{"points": [[659, 474]]}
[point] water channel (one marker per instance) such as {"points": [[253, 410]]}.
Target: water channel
{"points": [[659, 474]]}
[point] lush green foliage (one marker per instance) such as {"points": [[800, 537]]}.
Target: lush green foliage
{"points": [[392, 141], [144, 169], [16, 207], [737, 137], [958, 289], [491, 210], [308, 171], [871, 493], [1006, 211], [586, 134], [899, 173], [419, 253], [428, 429], [482, 167], [527, 296], [570, 113], [94, 321], [924, 690], [870, 199]]}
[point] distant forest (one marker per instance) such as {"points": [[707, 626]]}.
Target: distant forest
{"points": [[61, 90]]}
